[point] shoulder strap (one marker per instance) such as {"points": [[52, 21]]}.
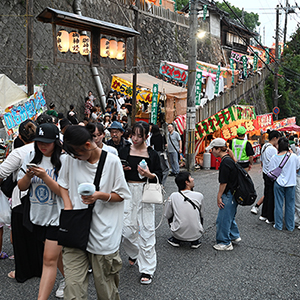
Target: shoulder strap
{"points": [[99, 172], [285, 159], [193, 204], [264, 148], [172, 143]]}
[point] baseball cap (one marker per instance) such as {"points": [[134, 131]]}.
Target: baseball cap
{"points": [[116, 125], [218, 142], [241, 130], [46, 133]]}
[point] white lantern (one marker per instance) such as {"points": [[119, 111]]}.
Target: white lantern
{"points": [[84, 45], [74, 39], [113, 49], [63, 41], [104, 47], [121, 50]]}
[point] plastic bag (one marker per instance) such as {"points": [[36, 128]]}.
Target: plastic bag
{"points": [[5, 210]]}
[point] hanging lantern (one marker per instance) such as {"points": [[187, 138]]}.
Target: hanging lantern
{"points": [[74, 39], [121, 50], [104, 47], [63, 41], [113, 49], [84, 45]]}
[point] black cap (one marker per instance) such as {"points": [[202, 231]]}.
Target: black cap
{"points": [[46, 133]]}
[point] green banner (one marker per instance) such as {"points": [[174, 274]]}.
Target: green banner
{"points": [[204, 12], [279, 51], [198, 87], [232, 69], [245, 60], [175, 5], [255, 61], [267, 56], [154, 104], [218, 79]]}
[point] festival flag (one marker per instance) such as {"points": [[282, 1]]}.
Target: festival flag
{"points": [[204, 12], [198, 87], [255, 61], [218, 79], [154, 104], [245, 60], [267, 56], [232, 69]]}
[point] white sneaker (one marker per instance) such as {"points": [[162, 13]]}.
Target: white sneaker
{"points": [[222, 247], [269, 222], [298, 227], [254, 210], [262, 218], [236, 241], [60, 291]]}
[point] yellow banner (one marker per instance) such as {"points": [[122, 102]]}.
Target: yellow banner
{"points": [[125, 87]]}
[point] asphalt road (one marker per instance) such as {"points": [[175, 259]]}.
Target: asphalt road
{"points": [[265, 265]]}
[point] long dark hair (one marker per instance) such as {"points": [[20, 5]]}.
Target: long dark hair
{"points": [[55, 157], [283, 144], [91, 127], [155, 130], [74, 137], [142, 127]]}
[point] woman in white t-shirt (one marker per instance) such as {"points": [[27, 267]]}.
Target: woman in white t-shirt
{"points": [[42, 167], [102, 251], [97, 131], [284, 186]]}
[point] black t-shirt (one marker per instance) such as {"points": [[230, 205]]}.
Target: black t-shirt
{"points": [[158, 141], [228, 173]]}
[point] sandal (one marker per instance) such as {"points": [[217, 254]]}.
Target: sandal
{"points": [[145, 278], [12, 274], [3, 255], [12, 257], [131, 261]]}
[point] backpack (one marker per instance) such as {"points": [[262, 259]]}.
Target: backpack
{"points": [[244, 193]]}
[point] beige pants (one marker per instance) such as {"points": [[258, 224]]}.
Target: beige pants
{"points": [[105, 271]]}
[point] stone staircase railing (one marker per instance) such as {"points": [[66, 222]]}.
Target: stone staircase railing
{"points": [[231, 96]]}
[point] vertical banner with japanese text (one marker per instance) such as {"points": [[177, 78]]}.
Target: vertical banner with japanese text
{"points": [[154, 104], [218, 79], [255, 61], [198, 87], [204, 12], [267, 56], [232, 69], [245, 60]]}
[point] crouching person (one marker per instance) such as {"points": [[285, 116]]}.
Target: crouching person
{"points": [[184, 211], [102, 251]]}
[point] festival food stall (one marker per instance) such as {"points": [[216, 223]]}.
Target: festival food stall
{"points": [[172, 98]]}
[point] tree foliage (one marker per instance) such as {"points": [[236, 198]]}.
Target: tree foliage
{"points": [[288, 81], [181, 4], [250, 19]]}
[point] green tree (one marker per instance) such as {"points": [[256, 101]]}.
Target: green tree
{"points": [[288, 81], [181, 4], [250, 19]]}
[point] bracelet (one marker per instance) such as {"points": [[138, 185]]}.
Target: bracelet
{"points": [[108, 198]]}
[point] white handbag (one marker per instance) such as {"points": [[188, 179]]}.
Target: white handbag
{"points": [[153, 192]]}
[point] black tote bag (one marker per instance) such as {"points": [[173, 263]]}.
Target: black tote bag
{"points": [[74, 225]]}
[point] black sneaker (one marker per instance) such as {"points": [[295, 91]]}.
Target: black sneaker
{"points": [[173, 242], [195, 244]]}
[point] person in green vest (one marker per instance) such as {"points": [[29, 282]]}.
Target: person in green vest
{"points": [[52, 111], [242, 149]]}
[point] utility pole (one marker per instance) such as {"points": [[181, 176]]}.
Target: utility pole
{"points": [[29, 56], [135, 46], [191, 90], [276, 64], [285, 22]]}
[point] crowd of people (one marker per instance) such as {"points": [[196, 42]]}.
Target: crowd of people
{"points": [[53, 155]]}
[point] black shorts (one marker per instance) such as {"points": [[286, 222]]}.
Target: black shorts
{"points": [[46, 232]]}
